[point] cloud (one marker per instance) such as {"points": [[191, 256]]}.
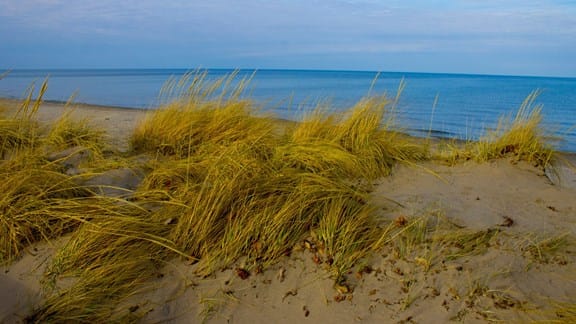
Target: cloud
{"points": [[257, 29], [291, 19]]}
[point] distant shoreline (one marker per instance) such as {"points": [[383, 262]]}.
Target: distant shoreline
{"points": [[76, 103], [251, 70]]}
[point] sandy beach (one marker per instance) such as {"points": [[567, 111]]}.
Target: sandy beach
{"points": [[497, 243]]}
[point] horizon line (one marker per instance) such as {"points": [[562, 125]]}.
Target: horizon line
{"points": [[6, 71]]}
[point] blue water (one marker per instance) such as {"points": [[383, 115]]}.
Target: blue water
{"points": [[466, 105]]}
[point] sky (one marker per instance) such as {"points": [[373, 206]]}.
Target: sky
{"points": [[509, 37]]}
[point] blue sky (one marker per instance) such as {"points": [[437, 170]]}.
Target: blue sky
{"points": [[518, 37]]}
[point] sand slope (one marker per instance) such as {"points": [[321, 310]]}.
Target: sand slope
{"points": [[503, 283]]}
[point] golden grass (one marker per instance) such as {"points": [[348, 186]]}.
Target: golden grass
{"points": [[520, 137], [365, 136], [430, 238], [35, 205], [222, 185], [346, 233], [109, 258], [564, 311], [68, 132], [181, 129], [545, 249], [242, 189], [200, 117], [15, 134], [21, 131], [38, 202]]}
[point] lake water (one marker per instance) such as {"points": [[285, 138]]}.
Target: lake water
{"points": [[466, 105]]}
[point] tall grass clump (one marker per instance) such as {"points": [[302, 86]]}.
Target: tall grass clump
{"points": [[521, 137], [16, 134], [369, 133], [237, 188], [67, 132], [360, 143], [34, 194], [33, 204], [21, 131], [261, 215], [201, 116], [38, 201], [346, 232], [179, 129]]}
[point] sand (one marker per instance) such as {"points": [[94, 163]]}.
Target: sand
{"points": [[505, 282], [116, 122]]}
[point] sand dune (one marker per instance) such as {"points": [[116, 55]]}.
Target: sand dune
{"points": [[515, 226]]}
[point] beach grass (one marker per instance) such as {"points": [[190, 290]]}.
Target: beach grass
{"points": [[37, 200], [521, 138], [68, 132], [110, 258], [224, 186], [20, 131], [241, 180]]}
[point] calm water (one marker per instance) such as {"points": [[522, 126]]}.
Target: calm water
{"points": [[466, 105]]}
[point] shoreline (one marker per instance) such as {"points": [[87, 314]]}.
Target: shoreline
{"points": [[117, 122], [101, 114], [85, 104]]}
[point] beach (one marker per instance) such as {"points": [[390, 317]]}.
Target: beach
{"points": [[469, 241]]}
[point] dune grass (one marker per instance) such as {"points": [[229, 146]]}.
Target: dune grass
{"points": [[68, 132], [239, 180], [225, 185], [110, 258], [36, 205], [546, 249], [360, 143], [223, 188], [430, 239], [37, 201], [521, 138], [21, 131]]}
